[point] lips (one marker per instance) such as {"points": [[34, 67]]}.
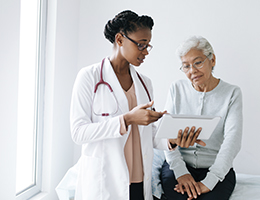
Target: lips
{"points": [[195, 78], [141, 60]]}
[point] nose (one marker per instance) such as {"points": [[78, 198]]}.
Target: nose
{"points": [[145, 51], [192, 69]]}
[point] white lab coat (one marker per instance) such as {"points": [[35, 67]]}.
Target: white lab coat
{"points": [[102, 172]]}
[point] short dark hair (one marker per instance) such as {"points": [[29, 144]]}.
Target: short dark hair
{"points": [[126, 22]]}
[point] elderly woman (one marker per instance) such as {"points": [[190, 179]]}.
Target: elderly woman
{"points": [[202, 172]]}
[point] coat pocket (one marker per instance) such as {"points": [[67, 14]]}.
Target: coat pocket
{"points": [[90, 178]]}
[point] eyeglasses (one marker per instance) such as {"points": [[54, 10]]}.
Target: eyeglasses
{"points": [[197, 65], [140, 46]]}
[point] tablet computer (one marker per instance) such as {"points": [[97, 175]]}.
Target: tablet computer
{"points": [[169, 125]]}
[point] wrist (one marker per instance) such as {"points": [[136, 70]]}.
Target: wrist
{"points": [[127, 119], [172, 144]]}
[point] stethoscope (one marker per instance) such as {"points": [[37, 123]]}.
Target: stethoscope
{"points": [[101, 81]]}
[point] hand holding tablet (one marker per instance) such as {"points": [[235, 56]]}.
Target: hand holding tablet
{"points": [[170, 125]]}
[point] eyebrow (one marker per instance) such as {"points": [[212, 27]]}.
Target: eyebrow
{"points": [[140, 41], [193, 59]]}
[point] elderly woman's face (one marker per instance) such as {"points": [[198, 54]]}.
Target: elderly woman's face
{"points": [[200, 76]]}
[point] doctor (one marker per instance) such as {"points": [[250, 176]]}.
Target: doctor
{"points": [[111, 117]]}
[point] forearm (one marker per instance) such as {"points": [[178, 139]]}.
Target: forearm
{"points": [[176, 163]]}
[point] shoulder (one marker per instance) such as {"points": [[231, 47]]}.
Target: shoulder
{"points": [[87, 76], [180, 84], [229, 88], [89, 70], [229, 92]]}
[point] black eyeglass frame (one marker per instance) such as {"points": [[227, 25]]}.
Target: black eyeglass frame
{"points": [[140, 46]]}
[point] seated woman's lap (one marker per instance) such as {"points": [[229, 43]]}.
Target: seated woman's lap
{"points": [[222, 190]]}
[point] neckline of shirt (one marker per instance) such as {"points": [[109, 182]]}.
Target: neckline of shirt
{"points": [[209, 92]]}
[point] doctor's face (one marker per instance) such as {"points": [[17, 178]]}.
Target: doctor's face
{"points": [[135, 46]]}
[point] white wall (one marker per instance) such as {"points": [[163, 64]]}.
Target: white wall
{"points": [[75, 39], [9, 52], [233, 29], [61, 69]]}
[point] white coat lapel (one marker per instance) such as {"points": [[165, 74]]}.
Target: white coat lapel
{"points": [[140, 92], [110, 77]]}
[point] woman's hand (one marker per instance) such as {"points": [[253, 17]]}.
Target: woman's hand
{"points": [[141, 115], [203, 189], [186, 183], [187, 138]]}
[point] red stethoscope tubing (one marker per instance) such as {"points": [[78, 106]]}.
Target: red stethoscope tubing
{"points": [[101, 81]]}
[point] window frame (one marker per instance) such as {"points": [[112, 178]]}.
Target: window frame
{"points": [[36, 188]]}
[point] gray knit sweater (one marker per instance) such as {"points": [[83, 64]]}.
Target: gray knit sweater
{"points": [[221, 148]]}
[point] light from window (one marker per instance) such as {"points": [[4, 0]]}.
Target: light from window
{"points": [[28, 97]]}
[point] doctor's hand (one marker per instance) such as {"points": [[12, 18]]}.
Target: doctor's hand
{"points": [[187, 138], [141, 115]]}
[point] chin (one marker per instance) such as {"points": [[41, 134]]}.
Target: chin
{"points": [[136, 64], [196, 83]]}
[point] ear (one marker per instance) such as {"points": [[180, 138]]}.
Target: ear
{"points": [[119, 39], [213, 60]]}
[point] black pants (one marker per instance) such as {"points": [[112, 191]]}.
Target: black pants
{"points": [[222, 191], [136, 191]]}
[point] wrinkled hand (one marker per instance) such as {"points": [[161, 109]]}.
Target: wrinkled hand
{"points": [[186, 183], [187, 138], [141, 115], [202, 187]]}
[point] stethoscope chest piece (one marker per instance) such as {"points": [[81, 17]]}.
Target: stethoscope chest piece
{"points": [[106, 104]]}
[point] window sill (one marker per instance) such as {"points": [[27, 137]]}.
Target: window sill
{"points": [[39, 196]]}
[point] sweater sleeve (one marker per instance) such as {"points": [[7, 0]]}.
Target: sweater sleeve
{"points": [[176, 162], [174, 158], [231, 144], [169, 105]]}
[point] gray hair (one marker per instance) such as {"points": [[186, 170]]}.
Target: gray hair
{"points": [[195, 42]]}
